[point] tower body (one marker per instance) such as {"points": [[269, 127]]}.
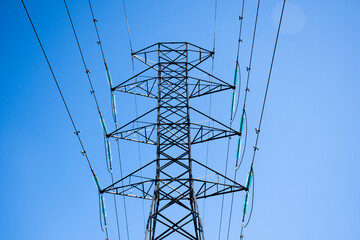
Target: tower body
{"points": [[174, 213], [173, 191]]}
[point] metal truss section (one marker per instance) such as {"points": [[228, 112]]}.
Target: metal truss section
{"points": [[174, 190], [139, 186], [145, 83], [145, 132]]}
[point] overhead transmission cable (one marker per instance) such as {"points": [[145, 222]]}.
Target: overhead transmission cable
{"points": [[127, 26], [247, 89], [107, 143], [243, 118], [108, 157], [210, 100], [237, 64], [234, 102], [257, 130], [237, 103], [76, 131], [215, 17], [135, 98]]}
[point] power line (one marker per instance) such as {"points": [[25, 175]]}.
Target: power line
{"points": [[257, 130], [237, 64], [247, 89], [114, 116], [210, 100], [232, 115], [61, 94], [267, 85], [223, 197], [92, 91], [215, 17], [248, 68], [127, 26], [243, 117], [235, 175], [135, 97], [76, 131], [271, 65], [97, 34]]}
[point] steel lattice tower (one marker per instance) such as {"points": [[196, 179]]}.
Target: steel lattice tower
{"points": [[174, 191]]}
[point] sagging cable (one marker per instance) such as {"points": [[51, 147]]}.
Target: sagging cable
{"points": [[103, 215], [108, 156], [113, 106], [108, 76], [108, 151]]}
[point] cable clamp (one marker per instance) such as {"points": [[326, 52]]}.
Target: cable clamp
{"points": [[247, 89], [98, 42], [95, 20], [240, 40], [248, 68], [241, 18], [83, 152], [88, 71], [241, 236], [92, 91], [256, 148], [257, 130], [77, 133]]}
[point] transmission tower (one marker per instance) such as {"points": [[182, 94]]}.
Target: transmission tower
{"points": [[173, 190]]}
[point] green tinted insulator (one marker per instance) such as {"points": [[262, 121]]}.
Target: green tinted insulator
{"points": [[235, 75], [248, 183], [103, 206], [238, 148], [241, 123], [234, 94], [248, 180], [96, 183], [108, 150], [246, 202], [108, 77], [233, 102], [102, 121], [113, 105]]}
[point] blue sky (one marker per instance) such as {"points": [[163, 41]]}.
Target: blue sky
{"points": [[306, 171]]}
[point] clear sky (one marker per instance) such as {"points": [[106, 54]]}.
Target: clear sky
{"points": [[306, 171]]}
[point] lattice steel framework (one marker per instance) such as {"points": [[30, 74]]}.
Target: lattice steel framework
{"points": [[174, 191]]}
